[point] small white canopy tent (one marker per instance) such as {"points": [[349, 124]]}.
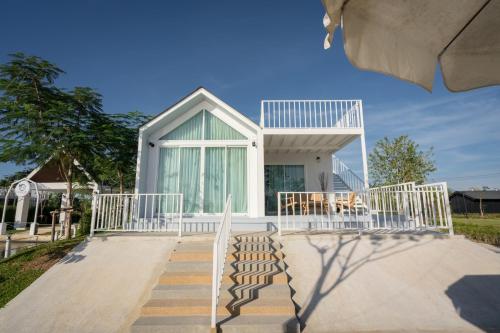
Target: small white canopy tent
{"points": [[38, 183], [407, 38]]}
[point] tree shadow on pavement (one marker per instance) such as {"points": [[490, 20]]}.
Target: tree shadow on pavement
{"points": [[348, 264]]}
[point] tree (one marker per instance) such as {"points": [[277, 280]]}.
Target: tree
{"points": [[119, 135], [39, 121], [399, 161]]}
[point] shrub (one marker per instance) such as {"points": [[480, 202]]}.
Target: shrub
{"points": [[486, 234]]}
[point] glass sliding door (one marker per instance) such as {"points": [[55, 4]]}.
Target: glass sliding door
{"points": [[274, 182], [237, 178], [179, 172], [281, 178], [168, 178], [215, 183], [225, 172]]}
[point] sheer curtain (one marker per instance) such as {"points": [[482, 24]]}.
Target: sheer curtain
{"points": [[215, 194], [189, 178], [216, 129], [190, 130], [237, 178], [168, 175]]}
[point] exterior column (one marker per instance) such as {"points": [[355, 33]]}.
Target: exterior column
{"points": [[260, 176], [365, 162], [22, 209]]}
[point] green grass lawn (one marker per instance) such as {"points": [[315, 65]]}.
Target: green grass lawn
{"points": [[483, 229], [493, 220], [20, 270]]}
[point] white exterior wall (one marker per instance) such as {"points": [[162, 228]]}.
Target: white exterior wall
{"points": [[148, 156], [312, 168]]}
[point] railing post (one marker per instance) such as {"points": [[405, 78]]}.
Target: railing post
{"points": [[215, 283], [7, 247], [447, 207], [94, 212], [181, 207], [279, 213]]}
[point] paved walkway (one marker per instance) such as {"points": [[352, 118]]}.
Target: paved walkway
{"points": [[96, 288], [394, 283]]}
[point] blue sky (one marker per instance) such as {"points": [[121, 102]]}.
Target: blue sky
{"points": [[146, 55]]}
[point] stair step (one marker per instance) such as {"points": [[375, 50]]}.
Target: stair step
{"points": [[246, 247], [179, 307], [231, 266], [201, 307], [202, 278], [191, 256], [186, 278], [254, 255], [228, 291], [242, 278], [189, 266], [172, 324], [267, 324]]}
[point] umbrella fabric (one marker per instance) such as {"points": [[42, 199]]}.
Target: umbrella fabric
{"points": [[407, 38]]}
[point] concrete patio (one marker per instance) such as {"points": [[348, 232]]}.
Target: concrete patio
{"points": [[393, 282], [378, 282]]}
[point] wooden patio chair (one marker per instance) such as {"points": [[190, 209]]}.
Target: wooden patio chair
{"points": [[317, 200], [348, 204], [291, 202]]}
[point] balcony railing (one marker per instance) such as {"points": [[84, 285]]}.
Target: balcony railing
{"points": [[311, 114], [403, 206]]}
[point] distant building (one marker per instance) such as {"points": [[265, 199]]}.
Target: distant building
{"points": [[468, 202]]}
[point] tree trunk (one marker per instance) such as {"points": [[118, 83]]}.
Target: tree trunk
{"points": [[69, 200], [122, 181], [481, 206]]}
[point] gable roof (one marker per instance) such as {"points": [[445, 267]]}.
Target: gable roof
{"points": [[476, 195], [49, 173], [199, 91]]}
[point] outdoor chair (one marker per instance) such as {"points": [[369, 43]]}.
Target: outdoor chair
{"points": [[291, 202], [348, 204], [316, 201]]}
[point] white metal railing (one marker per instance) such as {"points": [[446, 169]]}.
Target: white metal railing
{"points": [[137, 212], [323, 210], [404, 206], [221, 243], [347, 175], [394, 206], [410, 206], [434, 206], [311, 114]]}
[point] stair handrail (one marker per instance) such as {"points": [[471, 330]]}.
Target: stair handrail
{"points": [[221, 243], [347, 175]]}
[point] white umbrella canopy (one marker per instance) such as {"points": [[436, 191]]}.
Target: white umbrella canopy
{"points": [[406, 39]]}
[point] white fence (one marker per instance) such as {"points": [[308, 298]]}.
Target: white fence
{"points": [[410, 206], [138, 212], [311, 114], [347, 175], [323, 210], [221, 243], [398, 207]]}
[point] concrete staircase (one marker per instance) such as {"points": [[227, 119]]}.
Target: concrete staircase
{"points": [[339, 185], [255, 295]]}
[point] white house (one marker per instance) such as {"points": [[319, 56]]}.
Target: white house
{"points": [[279, 174], [205, 149]]}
